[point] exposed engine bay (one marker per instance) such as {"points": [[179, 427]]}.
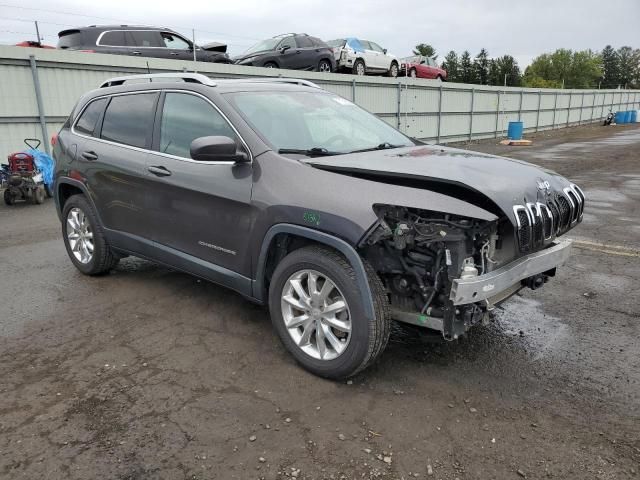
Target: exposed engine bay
{"points": [[418, 254]]}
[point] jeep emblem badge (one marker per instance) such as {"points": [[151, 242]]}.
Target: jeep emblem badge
{"points": [[544, 185]]}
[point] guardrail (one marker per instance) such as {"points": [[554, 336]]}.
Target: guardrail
{"points": [[426, 109]]}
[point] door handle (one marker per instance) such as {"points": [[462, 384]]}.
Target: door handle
{"points": [[174, 53], [159, 171], [135, 53], [91, 156]]}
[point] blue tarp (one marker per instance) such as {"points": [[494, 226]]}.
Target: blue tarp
{"points": [[355, 44], [45, 164]]}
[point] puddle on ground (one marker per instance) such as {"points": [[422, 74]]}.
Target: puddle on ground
{"points": [[559, 152], [543, 333]]}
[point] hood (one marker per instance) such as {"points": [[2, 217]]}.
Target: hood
{"points": [[249, 56], [488, 181]]}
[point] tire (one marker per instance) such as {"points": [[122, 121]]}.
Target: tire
{"points": [[102, 259], [271, 65], [8, 198], [439, 77], [38, 195], [48, 191], [359, 67], [366, 339], [324, 66], [393, 70], [413, 73]]}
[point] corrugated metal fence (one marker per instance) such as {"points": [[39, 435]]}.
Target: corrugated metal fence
{"points": [[424, 109]]}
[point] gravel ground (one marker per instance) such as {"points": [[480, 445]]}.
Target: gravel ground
{"points": [[148, 373]]}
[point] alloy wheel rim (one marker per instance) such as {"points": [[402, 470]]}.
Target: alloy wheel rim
{"points": [[394, 70], [324, 67], [360, 69], [80, 235], [316, 314], [413, 73]]}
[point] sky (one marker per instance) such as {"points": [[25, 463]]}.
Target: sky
{"points": [[523, 29]]}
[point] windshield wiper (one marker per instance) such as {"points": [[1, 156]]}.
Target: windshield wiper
{"points": [[382, 146], [309, 152]]}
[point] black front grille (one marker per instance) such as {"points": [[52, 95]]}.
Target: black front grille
{"points": [[576, 205], [565, 212], [547, 224], [524, 230], [555, 213], [538, 232]]}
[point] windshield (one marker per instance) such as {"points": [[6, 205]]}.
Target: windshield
{"points": [[314, 120], [268, 44]]}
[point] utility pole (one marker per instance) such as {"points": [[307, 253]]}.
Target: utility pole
{"points": [[193, 46], [505, 79], [37, 33], [563, 83]]}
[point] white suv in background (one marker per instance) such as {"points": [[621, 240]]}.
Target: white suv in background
{"points": [[362, 57]]}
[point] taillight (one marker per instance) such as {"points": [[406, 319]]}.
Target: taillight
{"points": [[54, 139]]}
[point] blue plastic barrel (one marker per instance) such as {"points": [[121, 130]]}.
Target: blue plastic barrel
{"points": [[627, 116], [634, 116], [514, 132], [621, 117]]}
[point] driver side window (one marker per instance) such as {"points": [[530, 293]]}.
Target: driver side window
{"points": [[287, 42], [174, 42], [186, 117]]}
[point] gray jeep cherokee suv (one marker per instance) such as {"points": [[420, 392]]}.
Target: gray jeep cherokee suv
{"points": [[298, 199]]}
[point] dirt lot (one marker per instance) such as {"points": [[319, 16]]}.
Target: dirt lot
{"points": [[149, 373]]}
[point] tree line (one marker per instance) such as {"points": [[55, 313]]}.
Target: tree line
{"points": [[563, 68]]}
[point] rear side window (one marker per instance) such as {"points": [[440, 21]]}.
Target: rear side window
{"points": [[186, 117], [115, 38], [318, 43], [129, 119], [70, 39], [86, 124], [146, 38]]}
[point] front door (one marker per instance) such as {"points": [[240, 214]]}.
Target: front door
{"points": [[198, 208], [178, 47]]}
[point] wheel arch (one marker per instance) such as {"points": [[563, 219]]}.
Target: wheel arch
{"points": [[65, 188], [297, 237]]}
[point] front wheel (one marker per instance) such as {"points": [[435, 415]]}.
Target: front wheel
{"points": [[38, 195], [393, 70], [413, 73], [318, 313], [84, 238], [270, 65], [324, 66]]}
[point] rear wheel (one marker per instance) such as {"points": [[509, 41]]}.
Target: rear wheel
{"points": [[413, 73], [8, 197], [324, 66], [84, 238], [359, 67], [439, 77], [318, 313], [271, 65]]}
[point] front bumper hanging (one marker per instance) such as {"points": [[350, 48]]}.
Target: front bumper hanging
{"points": [[489, 285]]}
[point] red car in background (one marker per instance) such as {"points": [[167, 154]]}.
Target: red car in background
{"points": [[33, 44], [418, 66]]}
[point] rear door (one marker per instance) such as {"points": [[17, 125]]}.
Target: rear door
{"points": [[383, 61], [308, 54], [370, 55], [115, 161], [114, 41], [199, 208]]}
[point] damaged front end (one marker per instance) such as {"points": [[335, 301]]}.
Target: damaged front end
{"points": [[447, 272]]}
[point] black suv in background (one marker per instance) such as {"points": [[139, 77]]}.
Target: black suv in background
{"points": [[136, 41], [299, 199], [296, 51]]}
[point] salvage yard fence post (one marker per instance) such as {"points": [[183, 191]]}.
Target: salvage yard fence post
{"points": [[473, 94], [38, 92]]}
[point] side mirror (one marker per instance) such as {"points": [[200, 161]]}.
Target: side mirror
{"points": [[384, 50], [216, 149], [284, 48]]}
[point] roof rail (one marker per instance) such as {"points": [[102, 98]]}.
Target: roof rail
{"points": [[182, 76], [295, 81]]}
